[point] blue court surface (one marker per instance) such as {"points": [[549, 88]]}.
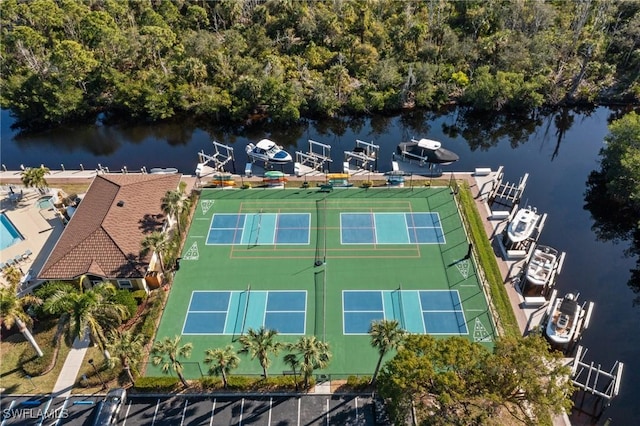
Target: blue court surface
{"points": [[391, 228], [259, 228], [234, 312], [417, 311]]}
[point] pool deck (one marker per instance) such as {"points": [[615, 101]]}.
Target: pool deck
{"points": [[40, 229]]}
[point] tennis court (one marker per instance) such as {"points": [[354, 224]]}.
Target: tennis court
{"points": [[325, 264]]}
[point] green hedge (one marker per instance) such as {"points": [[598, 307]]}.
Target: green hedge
{"points": [[488, 262], [139, 296], [358, 382], [157, 384], [125, 297], [252, 383], [154, 310]]}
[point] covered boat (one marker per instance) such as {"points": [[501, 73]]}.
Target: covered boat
{"points": [[268, 151], [426, 151], [523, 224]]}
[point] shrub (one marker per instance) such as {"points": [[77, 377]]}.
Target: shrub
{"points": [[139, 296], [154, 310], [358, 382], [208, 382], [157, 384], [125, 298]]}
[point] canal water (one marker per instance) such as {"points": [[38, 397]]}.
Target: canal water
{"points": [[558, 151]]}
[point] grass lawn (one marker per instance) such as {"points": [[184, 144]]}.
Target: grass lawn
{"points": [[12, 377]]}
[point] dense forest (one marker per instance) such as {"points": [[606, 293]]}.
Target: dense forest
{"points": [[280, 60]]}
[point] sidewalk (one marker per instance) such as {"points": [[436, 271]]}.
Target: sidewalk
{"points": [[73, 363]]}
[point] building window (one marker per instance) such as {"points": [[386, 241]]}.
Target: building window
{"points": [[124, 284]]}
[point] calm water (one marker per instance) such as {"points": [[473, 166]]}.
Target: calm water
{"points": [[558, 171]]}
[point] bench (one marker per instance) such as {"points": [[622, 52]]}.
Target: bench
{"points": [[327, 187]]}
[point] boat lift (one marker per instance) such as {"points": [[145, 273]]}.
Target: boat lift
{"points": [[593, 380], [505, 193], [210, 164], [364, 155], [313, 162], [522, 249], [531, 300]]}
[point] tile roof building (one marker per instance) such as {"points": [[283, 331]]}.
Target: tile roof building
{"points": [[103, 238]]}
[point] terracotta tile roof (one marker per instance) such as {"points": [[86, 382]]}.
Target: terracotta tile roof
{"points": [[103, 237]]}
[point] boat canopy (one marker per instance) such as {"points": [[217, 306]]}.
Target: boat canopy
{"points": [[429, 144]]}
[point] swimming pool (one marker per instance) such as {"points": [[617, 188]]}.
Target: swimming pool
{"points": [[9, 235], [45, 203]]}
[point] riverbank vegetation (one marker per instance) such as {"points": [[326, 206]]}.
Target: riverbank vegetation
{"points": [[247, 60], [613, 191]]}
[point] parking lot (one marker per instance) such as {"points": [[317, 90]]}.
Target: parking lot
{"points": [[277, 410]]}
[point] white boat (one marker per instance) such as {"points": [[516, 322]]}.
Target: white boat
{"points": [[163, 171], [268, 151], [426, 151], [566, 320], [523, 224], [540, 275], [542, 265]]}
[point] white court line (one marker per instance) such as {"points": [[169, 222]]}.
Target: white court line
{"points": [[184, 411], [213, 411], [155, 413], [126, 415]]}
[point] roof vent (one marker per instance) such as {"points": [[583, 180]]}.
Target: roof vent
{"points": [[120, 203]]}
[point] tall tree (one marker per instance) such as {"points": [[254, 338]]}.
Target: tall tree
{"points": [[94, 311], [127, 349], [157, 243], [313, 354], [12, 307], [260, 344], [167, 352], [386, 335], [223, 359]]}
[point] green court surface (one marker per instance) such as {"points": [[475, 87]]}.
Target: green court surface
{"points": [[323, 264]]}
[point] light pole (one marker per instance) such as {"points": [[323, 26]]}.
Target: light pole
{"points": [[98, 373]]}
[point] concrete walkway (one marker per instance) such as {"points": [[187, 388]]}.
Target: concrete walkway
{"points": [[72, 365]]}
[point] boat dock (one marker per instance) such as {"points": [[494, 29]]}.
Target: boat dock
{"points": [[314, 162], [363, 158]]}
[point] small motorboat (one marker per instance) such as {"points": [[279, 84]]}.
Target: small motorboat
{"points": [[426, 151], [566, 319], [268, 151], [542, 265], [523, 224], [540, 275], [163, 171]]}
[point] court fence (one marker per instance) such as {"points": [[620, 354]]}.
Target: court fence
{"points": [[476, 260]]}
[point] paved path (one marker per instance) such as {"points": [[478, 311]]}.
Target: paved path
{"points": [[71, 368]]}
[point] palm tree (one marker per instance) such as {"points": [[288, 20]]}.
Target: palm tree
{"points": [[157, 242], [34, 177], [293, 361], [385, 336], [127, 349], [174, 203], [12, 307], [93, 310], [313, 354], [260, 344], [224, 361], [167, 351]]}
